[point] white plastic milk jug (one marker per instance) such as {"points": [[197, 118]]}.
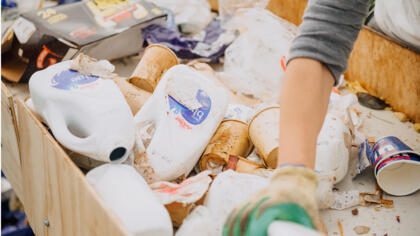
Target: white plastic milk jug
{"points": [[87, 114], [176, 123], [127, 194]]}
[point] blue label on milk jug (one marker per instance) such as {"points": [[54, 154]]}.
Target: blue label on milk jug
{"points": [[71, 79], [196, 116]]}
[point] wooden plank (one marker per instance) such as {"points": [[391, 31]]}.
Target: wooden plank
{"points": [[55, 189], [10, 157], [290, 10], [387, 70]]}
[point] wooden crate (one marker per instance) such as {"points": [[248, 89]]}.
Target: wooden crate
{"points": [[56, 196]]}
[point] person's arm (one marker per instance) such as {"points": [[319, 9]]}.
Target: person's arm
{"points": [[318, 56], [303, 103]]}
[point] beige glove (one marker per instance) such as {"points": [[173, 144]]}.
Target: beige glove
{"points": [[292, 187]]}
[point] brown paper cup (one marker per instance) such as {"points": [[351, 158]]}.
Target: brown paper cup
{"points": [[230, 138], [134, 96], [264, 134], [157, 59], [242, 165], [178, 212]]}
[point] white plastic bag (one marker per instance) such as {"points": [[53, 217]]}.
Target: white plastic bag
{"points": [[228, 7], [198, 222], [399, 19], [333, 149], [256, 61], [126, 193], [176, 123], [228, 190], [191, 15], [189, 191]]}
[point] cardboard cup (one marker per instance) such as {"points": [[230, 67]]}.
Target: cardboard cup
{"points": [[399, 175], [134, 96], [242, 165], [157, 59], [178, 212], [264, 133], [230, 138]]}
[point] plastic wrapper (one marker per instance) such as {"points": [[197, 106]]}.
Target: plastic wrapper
{"points": [[189, 191], [179, 199], [333, 149], [228, 7], [228, 190], [198, 223], [329, 199], [240, 112], [211, 45], [341, 106], [254, 65], [191, 16]]}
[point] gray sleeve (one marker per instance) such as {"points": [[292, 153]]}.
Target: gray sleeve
{"points": [[328, 32]]}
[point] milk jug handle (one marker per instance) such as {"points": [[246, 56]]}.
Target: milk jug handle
{"points": [[60, 129]]}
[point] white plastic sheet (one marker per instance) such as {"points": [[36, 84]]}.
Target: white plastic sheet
{"points": [[399, 19], [254, 65], [228, 190], [191, 15]]}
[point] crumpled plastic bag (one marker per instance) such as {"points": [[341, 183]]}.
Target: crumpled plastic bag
{"points": [[338, 200], [228, 190], [189, 191], [228, 7], [198, 222], [342, 107], [211, 44], [256, 61], [333, 149], [191, 16]]}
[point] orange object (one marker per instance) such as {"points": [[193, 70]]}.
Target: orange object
{"points": [[340, 227], [334, 90]]}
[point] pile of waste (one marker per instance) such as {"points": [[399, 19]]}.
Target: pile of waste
{"points": [[177, 145]]}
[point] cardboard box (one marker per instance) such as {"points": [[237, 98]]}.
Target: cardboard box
{"points": [[103, 29]]}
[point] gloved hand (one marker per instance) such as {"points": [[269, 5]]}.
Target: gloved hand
{"points": [[290, 196]]}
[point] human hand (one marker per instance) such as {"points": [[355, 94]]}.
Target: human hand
{"points": [[289, 197]]}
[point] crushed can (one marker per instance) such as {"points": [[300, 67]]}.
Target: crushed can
{"points": [[396, 165]]}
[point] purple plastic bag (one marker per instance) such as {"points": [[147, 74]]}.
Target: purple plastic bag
{"points": [[186, 47]]}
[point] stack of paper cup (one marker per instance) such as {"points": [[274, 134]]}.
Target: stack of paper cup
{"points": [[264, 134], [157, 59]]}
